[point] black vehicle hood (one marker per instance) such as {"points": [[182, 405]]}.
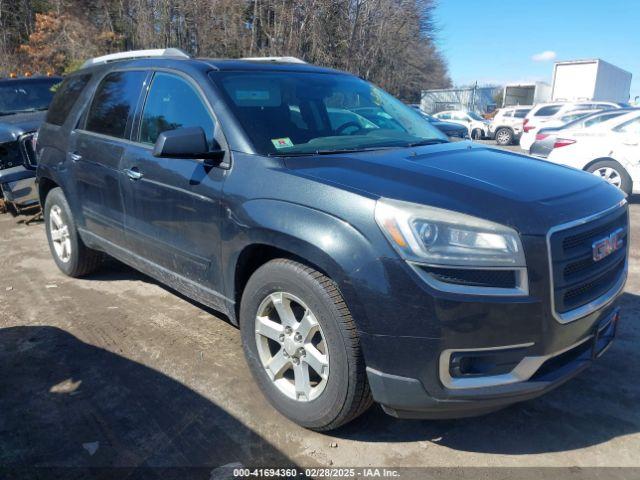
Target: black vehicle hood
{"points": [[12, 126], [450, 126], [528, 194]]}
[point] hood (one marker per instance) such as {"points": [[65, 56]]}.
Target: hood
{"points": [[525, 193], [450, 126], [12, 126]]}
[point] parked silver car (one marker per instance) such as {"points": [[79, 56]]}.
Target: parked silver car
{"points": [[546, 137]]}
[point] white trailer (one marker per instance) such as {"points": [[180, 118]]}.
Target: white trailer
{"points": [[590, 80], [526, 93]]}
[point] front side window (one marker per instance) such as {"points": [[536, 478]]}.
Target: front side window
{"points": [[173, 103], [26, 95], [114, 102], [287, 113]]}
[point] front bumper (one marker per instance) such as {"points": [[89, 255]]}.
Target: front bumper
{"points": [[404, 397]]}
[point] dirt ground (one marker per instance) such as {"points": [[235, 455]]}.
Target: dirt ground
{"points": [[117, 370]]}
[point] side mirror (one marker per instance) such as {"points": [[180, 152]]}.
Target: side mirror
{"points": [[188, 142]]}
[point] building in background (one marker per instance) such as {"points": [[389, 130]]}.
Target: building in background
{"points": [[475, 99]]}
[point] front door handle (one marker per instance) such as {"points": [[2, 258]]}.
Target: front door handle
{"points": [[133, 173], [75, 156]]}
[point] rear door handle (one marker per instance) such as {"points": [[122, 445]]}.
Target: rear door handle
{"points": [[133, 173]]}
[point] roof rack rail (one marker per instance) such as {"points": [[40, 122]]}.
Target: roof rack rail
{"points": [[274, 59], [114, 57]]}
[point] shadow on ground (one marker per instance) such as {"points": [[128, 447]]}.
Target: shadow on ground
{"points": [[67, 403], [595, 407]]}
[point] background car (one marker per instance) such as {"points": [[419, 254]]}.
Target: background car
{"points": [[546, 137], [452, 130], [23, 102], [610, 150], [477, 126], [506, 126], [543, 113]]}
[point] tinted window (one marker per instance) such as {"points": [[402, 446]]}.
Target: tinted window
{"points": [[26, 95], [520, 113], [508, 114], [65, 98], [548, 111], [601, 118], [114, 100], [173, 103], [444, 116]]}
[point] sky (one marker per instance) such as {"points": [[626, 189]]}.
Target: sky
{"points": [[498, 42]]}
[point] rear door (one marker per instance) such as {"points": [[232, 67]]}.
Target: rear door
{"points": [[173, 205], [96, 150]]}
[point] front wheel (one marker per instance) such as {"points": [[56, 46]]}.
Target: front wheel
{"points": [[302, 347], [614, 173], [476, 134]]}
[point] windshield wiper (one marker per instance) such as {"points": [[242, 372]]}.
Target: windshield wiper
{"points": [[431, 141], [328, 152]]}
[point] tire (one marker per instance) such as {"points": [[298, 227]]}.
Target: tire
{"points": [[74, 258], [504, 136], [476, 134], [344, 393], [614, 173]]}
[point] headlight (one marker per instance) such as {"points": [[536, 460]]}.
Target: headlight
{"points": [[442, 237]]}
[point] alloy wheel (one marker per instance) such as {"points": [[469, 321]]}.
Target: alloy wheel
{"points": [[292, 346], [59, 234], [610, 175]]}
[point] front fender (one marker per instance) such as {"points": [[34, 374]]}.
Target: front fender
{"points": [[334, 246]]}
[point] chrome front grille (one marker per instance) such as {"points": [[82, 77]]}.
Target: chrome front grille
{"points": [[580, 284]]}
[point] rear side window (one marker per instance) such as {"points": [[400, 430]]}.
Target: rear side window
{"points": [[114, 102], [520, 113], [548, 111], [65, 98], [173, 103]]}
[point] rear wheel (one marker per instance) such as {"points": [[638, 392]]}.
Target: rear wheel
{"points": [[504, 136], [614, 173], [302, 347], [69, 252]]}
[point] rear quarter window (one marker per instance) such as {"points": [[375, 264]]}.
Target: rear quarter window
{"points": [[65, 98], [114, 102], [548, 111]]}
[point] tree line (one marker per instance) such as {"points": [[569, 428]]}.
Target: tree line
{"points": [[389, 42]]}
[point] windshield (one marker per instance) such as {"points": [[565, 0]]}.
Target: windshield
{"points": [[286, 113], [475, 116], [27, 95]]}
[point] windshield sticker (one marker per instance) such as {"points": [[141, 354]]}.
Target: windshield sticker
{"points": [[282, 142], [252, 95]]}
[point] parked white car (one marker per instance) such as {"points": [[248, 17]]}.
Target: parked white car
{"points": [[478, 127], [610, 150], [506, 126], [543, 113]]}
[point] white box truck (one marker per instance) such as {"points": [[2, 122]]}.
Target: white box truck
{"points": [[526, 94], [590, 80]]}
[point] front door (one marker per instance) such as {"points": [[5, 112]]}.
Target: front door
{"points": [[173, 206], [97, 149]]}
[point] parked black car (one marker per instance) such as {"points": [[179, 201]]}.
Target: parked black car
{"points": [[452, 130], [360, 261], [23, 102]]}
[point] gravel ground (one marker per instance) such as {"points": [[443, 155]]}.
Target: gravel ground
{"points": [[116, 369]]}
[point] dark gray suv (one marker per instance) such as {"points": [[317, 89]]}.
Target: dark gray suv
{"points": [[363, 256]]}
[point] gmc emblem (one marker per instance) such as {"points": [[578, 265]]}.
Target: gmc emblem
{"points": [[607, 245]]}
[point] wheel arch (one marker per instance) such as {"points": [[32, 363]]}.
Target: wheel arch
{"points": [[45, 185]]}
